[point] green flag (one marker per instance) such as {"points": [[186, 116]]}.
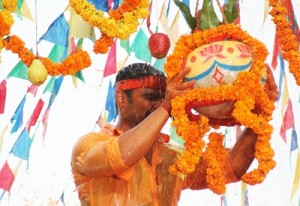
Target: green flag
{"points": [[140, 46], [19, 71]]}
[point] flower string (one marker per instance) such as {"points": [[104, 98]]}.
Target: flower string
{"points": [[287, 39], [246, 91], [120, 23], [72, 64]]}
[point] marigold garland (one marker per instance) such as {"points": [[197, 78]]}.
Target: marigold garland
{"points": [[246, 91], [120, 23], [72, 64], [287, 39]]}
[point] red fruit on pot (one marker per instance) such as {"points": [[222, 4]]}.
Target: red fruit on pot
{"points": [[159, 45]]}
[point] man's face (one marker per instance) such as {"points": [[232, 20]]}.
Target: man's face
{"points": [[143, 102]]}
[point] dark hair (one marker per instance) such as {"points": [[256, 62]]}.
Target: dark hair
{"points": [[138, 70]]}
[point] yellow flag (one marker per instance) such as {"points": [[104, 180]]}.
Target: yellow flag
{"points": [[285, 97], [297, 177], [25, 11], [80, 28]]}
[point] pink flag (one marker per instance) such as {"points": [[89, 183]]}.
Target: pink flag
{"points": [[35, 114], [2, 96], [32, 89], [6, 177], [111, 63], [45, 121], [288, 120]]}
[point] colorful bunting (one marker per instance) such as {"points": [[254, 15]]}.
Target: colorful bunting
{"points": [[111, 62], [35, 114], [296, 177], [288, 120], [6, 177], [294, 140], [140, 46], [19, 71], [80, 28], [110, 104], [18, 116], [126, 45], [21, 147], [58, 32], [2, 96]]}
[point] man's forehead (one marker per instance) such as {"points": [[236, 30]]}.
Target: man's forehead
{"points": [[154, 82]]}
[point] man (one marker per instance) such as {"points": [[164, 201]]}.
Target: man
{"points": [[125, 164]]}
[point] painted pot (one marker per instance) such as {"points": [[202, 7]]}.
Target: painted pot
{"points": [[218, 63]]}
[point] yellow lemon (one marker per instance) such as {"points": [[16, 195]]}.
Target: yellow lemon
{"points": [[37, 72]]}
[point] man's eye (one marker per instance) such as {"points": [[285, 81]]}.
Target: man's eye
{"points": [[153, 97]]}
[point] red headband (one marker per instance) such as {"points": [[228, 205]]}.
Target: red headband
{"points": [[154, 82]]}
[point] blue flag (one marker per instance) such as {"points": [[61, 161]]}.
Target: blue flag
{"points": [[18, 116], [21, 147], [58, 32], [55, 89], [110, 104]]}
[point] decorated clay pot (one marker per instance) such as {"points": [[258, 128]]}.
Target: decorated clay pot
{"points": [[218, 63], [215, 64]]}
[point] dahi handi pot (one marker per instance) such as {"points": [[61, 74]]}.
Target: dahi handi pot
{"points": [[215, 64], [218, 63]]}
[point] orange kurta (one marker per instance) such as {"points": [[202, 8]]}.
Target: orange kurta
{"points": [[101, 176]]}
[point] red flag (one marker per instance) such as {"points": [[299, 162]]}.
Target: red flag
{"points": [[32, 89], [288, 120], [45, 121], [149, 18], [35, 114], [276, 52], [2, 96], [111, 63], [6, 177]]}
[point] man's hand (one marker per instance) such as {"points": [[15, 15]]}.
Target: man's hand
{"points": [[176, 86]]}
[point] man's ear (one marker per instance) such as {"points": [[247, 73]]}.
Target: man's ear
{"points": [[121, 98]]}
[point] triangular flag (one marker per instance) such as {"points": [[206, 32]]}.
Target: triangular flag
{"points": [[296, 178], [18, 116], [58, 53], [2, 136], [80, 28], [294, 140], [2, 96], [110, 104], [6, 177], [32, 89], [50, 85], [288, 120], [55, 90], [19, 71], [100, 4], [111, 62], [126, 45], [25, 11], [58, 32], [45, 121], [35, 114], [21, 147], [140, 46]]}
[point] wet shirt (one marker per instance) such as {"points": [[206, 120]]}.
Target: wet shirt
{"points": [[105, 177]]}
